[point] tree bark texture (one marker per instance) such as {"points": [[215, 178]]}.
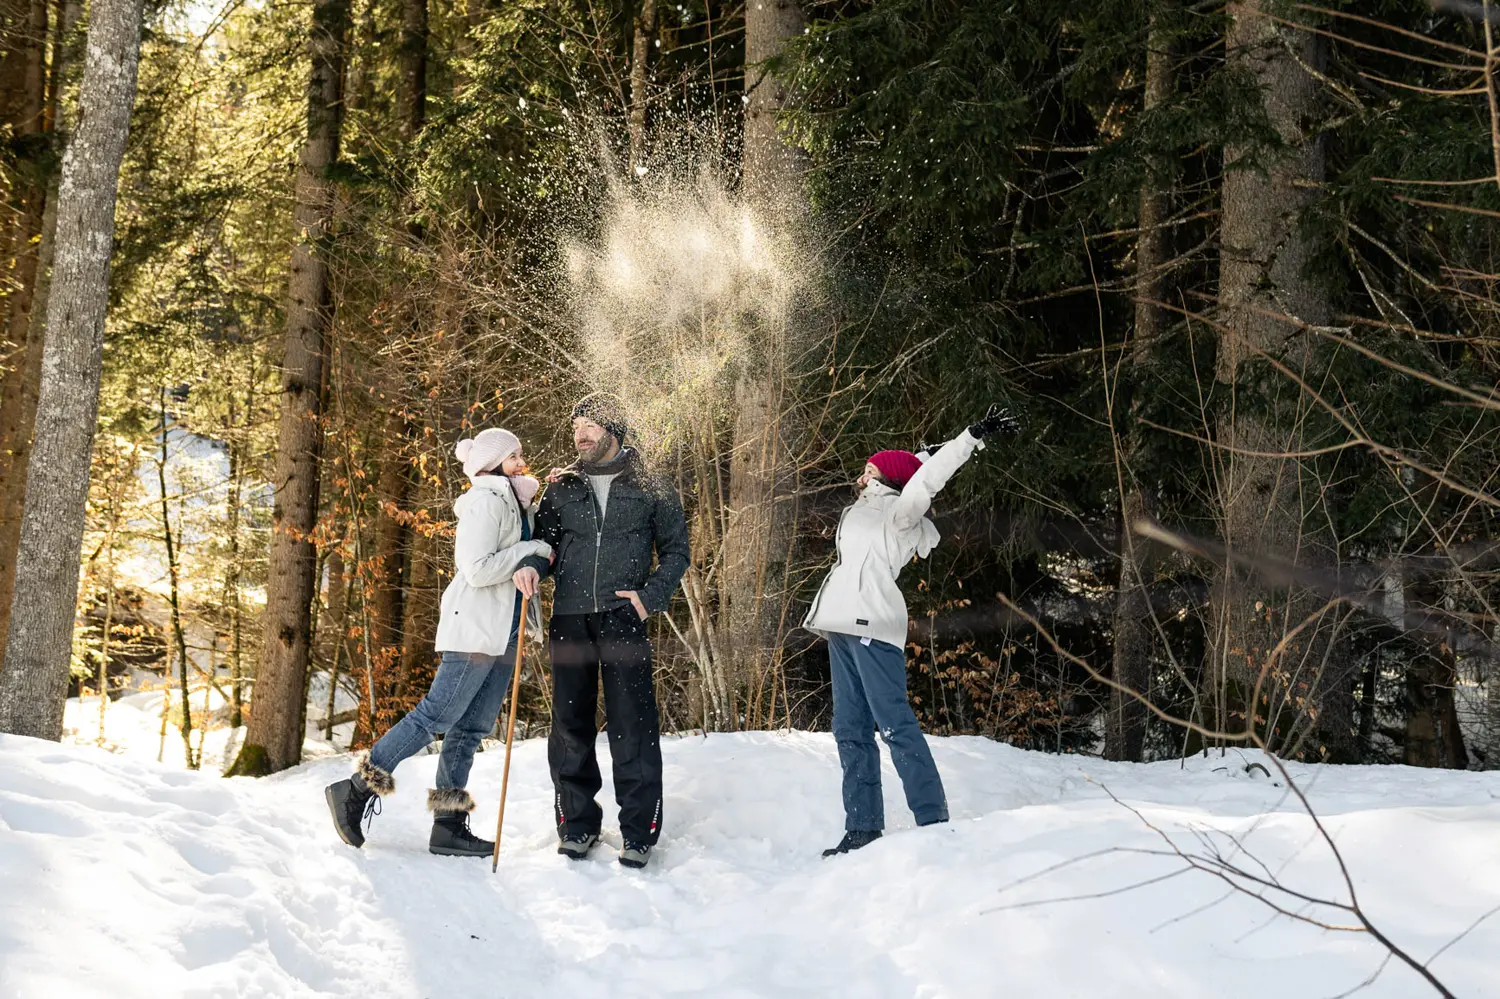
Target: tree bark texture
{"points": [[273, 739], [1125, 724], [388, 571], [413, 60], [28, 216], [1272, 506], [1433, 737], [34, 683], [772, 170], [424, 593], [640, 79], [758, 542]]}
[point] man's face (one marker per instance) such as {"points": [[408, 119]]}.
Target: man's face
{"points": [[593, 442]]}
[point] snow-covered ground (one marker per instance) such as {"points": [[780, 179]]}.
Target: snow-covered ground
{"points": [[120, 877]]}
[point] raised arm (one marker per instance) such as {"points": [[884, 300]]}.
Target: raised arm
{"points": [[673, 550], [916, 497]]}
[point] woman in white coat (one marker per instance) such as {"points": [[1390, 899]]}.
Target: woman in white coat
{"points": [[860, 611], [481, 613]]}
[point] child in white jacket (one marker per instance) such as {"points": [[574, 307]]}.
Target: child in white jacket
{"points": [[859, 609], [481, 614]]}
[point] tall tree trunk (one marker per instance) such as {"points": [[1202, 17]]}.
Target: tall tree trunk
{"points": [[34, 683], [109, 612], [1125, 725], [640, 78], [336, 630], [273, 738], [1269, 505], [424, 593], [758, 543], [772, 170], [1433, 737], [174, 591], [413, 59], [30, 216], [392, 488], [234, 575]]}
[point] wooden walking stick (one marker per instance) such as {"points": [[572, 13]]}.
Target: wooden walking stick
{"points": [[510, 729]]}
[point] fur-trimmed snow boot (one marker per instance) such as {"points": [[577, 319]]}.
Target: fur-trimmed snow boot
{"points": [[451, 836], [356, 801]]}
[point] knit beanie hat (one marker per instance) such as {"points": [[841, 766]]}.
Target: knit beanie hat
{"points": [[897, 466], [486, 450], [606, 411]]}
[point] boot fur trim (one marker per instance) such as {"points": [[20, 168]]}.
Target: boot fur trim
{"points": [[377, 780], [449, 799]]}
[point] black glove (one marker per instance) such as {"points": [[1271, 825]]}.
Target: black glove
{"points": [[997, 421]]}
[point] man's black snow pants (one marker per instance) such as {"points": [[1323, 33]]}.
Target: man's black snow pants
{"points": [[585, 648]]}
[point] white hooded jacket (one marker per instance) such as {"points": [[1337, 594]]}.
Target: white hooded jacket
{"points": [[877, 538], [480, 603]]}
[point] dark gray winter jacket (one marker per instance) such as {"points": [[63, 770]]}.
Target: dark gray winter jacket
{"points": [[595, 556]]}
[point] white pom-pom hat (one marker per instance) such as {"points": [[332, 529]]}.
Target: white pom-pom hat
{"points": [[486, 450]]}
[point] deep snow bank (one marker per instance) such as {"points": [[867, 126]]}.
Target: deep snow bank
{"points": [[123, 878]]}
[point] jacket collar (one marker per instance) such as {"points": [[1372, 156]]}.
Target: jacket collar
{"points": [[627, 465]]}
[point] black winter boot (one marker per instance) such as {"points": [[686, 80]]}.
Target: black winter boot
{"points": [[357, 800], [451, 836], [351, 802], [853, 840]]}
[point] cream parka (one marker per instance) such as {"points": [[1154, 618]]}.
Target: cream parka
{"points": [[877, 537], [480, 603]]}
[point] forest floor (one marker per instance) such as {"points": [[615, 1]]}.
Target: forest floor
{"points": [[123, 877]]}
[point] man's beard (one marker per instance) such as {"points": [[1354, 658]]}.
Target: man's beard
{"points": [[596, 454]]}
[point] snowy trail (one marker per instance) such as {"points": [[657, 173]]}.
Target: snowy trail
{"points": [[123, 878]]}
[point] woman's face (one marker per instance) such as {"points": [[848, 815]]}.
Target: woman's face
{"points": [[514, 465], [870, 474]]}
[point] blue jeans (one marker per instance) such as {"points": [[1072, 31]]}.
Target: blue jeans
{"points": [[463, 702], [869, 693]]}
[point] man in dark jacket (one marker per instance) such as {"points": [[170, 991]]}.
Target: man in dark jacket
{"points": [[604, 517]]}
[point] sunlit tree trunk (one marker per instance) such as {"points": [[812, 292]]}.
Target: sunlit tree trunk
{"points": [[31, 222], [33, 684], [273, 739]]}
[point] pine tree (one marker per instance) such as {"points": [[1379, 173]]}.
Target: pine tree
{"points": [[33, 684], [273, 740]]}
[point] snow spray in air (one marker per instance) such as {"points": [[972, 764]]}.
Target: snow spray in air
{"points": [[681, 290]]}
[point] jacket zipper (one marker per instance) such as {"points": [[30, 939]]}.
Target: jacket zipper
{"points": [[598, 539], [838, 535]]}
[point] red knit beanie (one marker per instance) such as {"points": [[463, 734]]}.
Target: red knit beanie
{"points": [[897, 466]]}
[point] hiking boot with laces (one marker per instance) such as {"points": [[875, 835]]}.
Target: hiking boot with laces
{"points": [[854, 839], [451, 837], [577, 846], [352, 803], [635, 855]]}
